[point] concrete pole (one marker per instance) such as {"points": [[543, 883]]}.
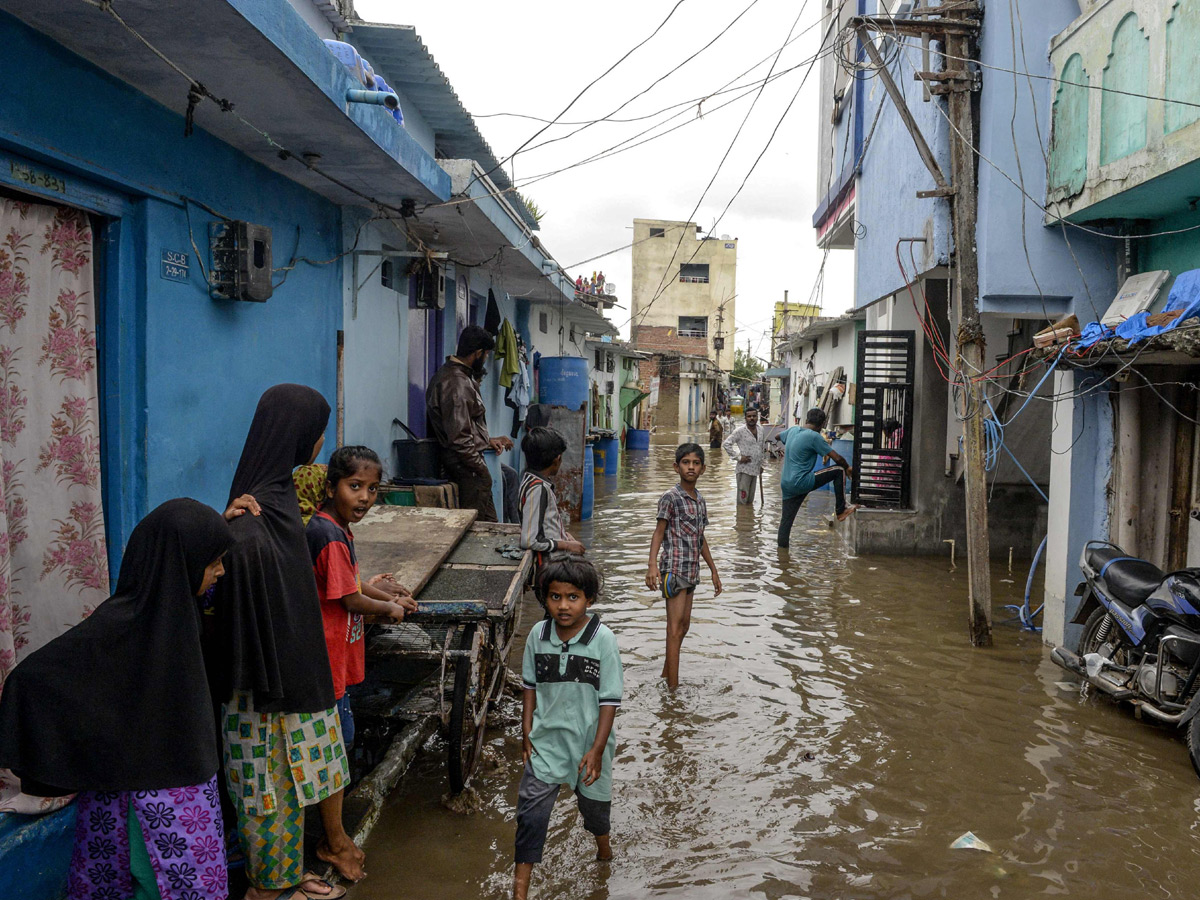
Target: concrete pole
{"points": [[971, 345]]}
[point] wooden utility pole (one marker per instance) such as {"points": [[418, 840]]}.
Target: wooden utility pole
{"points": [[972, 350], [957, 24]]}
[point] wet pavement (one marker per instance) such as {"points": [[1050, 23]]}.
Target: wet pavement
{"points": [[833, 734]]}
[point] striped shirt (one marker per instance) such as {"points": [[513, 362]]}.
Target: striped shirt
{"points": [[541, 524]]}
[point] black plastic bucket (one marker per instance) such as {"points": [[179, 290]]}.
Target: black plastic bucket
{"points": [[415, 457]]}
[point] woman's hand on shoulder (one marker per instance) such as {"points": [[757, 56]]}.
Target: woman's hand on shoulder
{"points": [[241, 505]]}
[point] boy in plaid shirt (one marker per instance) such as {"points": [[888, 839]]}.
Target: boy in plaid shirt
{"points": [[682, 515]]}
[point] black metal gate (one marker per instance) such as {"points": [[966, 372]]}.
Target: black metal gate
{"points": [[883, 419]]}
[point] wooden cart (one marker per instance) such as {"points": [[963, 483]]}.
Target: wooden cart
{"points": [[449, 659]]}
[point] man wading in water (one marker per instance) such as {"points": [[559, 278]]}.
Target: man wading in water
{"points": [[803, 446], [746, 445]]}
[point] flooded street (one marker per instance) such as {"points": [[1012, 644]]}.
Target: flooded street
{"points": [[833, 734]]}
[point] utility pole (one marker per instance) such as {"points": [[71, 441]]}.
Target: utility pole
{"points": [[956, 24], [971, 345]]}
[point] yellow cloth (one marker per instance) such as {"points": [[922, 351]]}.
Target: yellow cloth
{"points": [[310, 488], [506, 354]]}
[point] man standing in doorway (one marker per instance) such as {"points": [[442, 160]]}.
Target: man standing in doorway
{"points": [[458, 420], [746, 445]]}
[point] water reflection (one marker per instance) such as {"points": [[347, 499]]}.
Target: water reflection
{"points": [[833, 734]]}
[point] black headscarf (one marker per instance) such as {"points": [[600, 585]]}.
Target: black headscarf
{"points": [[120, 702], [272, 638]]}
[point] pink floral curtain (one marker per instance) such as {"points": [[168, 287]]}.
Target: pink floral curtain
{"points": [[53, 561]]}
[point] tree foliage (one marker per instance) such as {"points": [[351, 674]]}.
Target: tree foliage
{"points": [[746, 368]]}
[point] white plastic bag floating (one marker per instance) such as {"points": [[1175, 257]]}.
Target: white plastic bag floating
{"points": [[968, 841]]}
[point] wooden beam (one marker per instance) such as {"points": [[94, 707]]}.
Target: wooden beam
{"points": [[902, 108]]}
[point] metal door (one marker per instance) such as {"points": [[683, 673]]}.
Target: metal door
{"points": [[883, 419]]}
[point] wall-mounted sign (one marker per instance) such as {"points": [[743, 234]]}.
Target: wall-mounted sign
{"points": [[174, 265], [36, 178]]}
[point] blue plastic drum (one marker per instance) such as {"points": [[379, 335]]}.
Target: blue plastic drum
{"points": [[563, 381], [637, 439]]}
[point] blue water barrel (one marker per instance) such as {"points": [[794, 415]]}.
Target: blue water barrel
{"points": [[637, 439], [563, 381], [607, 455], [588, 498]]}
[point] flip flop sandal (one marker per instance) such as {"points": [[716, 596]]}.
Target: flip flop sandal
{"points": [[336, 891]]}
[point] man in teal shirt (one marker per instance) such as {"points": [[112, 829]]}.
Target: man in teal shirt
{"points": [[803, 446]]}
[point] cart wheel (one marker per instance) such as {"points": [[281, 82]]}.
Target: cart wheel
{"points": [[502, 638], [468, 711]]}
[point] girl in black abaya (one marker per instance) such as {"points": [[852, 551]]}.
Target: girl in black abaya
{"points": [[280, 729], [118, 709]]}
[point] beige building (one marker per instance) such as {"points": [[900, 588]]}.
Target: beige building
{"points": [[684, 290]]}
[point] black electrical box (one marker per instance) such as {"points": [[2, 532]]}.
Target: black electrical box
{"points": [[428, 283], [241, 261]]}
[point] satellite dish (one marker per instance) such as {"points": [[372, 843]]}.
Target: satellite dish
{"points": [[610, 289], [725, 237]]}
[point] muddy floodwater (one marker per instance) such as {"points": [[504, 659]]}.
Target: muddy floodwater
{"points": [[832, 735]]}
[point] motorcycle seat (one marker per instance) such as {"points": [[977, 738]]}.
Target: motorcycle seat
{"points": [[1128, 578]]}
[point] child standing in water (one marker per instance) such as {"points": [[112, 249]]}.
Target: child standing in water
{"points": [[351, 484], [682, 515], [572, 683]]}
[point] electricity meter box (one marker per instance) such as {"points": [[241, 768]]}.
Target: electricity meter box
{"points": [[241, 261]]}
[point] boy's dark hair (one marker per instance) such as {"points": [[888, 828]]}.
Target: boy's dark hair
{"points": [[816, 416], [474, 338], [348, 460], [684, 449], [542, 446], [571, 570]]}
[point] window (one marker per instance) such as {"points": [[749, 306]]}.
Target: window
{"points": [[543, 323], [694, 273], [693, 326], [657, 232], [833, 340]]}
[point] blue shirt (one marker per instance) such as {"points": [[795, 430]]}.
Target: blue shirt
{"points": [[803, 447]]}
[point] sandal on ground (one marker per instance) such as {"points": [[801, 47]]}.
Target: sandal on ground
{"points": [[336, 891]]}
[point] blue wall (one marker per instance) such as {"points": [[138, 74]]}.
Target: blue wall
{"points": [[1012, 104], [182, 372]]}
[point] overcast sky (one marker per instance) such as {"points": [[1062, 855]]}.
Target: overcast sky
{"points": [[532, 57]]}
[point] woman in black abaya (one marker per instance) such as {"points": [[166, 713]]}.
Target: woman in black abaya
{"points": [[118, 709], [280, 729]]}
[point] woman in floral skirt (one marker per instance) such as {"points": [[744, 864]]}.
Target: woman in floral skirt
{"points": [[118, 709]]}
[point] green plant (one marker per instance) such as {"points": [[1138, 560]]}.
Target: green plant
{"points": [[534, 210], [746, 367]]}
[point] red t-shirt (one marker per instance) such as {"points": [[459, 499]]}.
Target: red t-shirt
{"points": [[336, 569]]}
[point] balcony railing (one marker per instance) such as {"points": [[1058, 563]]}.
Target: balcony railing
{"points": [[694, 279], [692, 332]]}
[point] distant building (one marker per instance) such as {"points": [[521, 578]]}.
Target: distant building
{"points": [[684, 290]]}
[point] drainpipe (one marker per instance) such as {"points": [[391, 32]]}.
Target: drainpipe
{"points": [[375, 98], [341, 388]]}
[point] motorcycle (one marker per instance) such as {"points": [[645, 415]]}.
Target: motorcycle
{"points": [[1141, 637]]}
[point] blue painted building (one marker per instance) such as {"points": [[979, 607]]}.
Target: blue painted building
{"points": [[1030, 273]]}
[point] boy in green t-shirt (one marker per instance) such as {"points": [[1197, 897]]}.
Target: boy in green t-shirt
{"points": [[573, 683]]}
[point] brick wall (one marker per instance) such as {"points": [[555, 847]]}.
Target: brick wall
{"points": [[661, 337]]}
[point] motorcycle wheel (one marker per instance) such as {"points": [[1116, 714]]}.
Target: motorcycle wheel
{"points": [[1091, 642], [1193, 742]]}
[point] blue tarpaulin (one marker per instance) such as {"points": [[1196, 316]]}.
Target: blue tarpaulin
{"points": [[1185, 296]]}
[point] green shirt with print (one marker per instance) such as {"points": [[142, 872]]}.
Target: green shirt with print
{"points": [[572, 682]]}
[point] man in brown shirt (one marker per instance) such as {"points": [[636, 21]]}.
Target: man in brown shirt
{"points": [[458, 420]]}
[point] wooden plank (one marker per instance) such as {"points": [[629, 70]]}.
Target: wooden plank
{"points": [[411, 542]]}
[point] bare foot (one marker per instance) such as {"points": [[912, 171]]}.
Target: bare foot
{"points": [[347, 858], [603, 848], [848, 512]]}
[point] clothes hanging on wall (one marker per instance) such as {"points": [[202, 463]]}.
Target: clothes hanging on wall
{"points": [[518, 395], [491, 318], [507, 354]]}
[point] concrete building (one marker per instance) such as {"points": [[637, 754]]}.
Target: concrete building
{"points": [[614, 376], [684, 290], [1029, 274], [1128, 168], [819, 358]]}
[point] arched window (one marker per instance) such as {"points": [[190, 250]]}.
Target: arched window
{"points": [[1183, 37], [1069, 129], [1123, 107]]}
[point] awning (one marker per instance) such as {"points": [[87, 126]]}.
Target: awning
{"points": [[632, 396], [265, 60]]}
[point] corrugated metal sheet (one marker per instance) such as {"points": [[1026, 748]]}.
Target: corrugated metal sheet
{"points": [[401, 57]]}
